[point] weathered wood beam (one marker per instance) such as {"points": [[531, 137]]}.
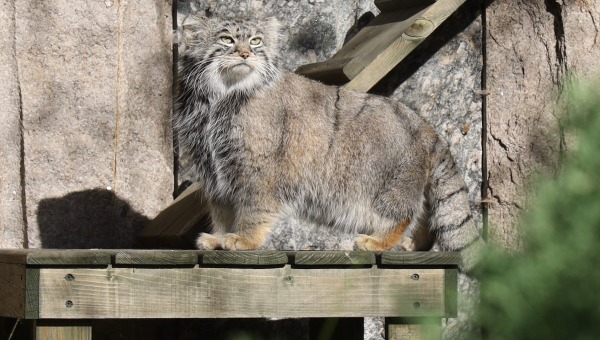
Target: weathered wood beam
{"points": [[89, 293]]}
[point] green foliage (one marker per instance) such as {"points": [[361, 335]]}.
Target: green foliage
{"points": [[552, 289]]}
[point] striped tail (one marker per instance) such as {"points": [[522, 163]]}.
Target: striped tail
{"points": [[451, 218]]}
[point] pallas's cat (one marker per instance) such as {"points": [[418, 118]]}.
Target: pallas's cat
{"points": [[268, 144]]}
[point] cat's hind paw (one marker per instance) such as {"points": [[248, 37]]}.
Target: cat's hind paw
{"points": [[369, 243], [208, 242], [407, 244]]}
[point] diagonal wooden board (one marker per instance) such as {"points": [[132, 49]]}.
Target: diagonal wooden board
{"points": [[383, 44], [385, 61], [179, 223], [360, 64]]}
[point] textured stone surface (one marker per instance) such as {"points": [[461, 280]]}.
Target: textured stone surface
{"points": [[12, 226], [528, 78], [95, 86]]}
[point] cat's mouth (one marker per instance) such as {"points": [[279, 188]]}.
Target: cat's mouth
{"points": [[236, 72]]}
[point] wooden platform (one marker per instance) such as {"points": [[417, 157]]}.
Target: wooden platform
{"points": [[133, 284]]}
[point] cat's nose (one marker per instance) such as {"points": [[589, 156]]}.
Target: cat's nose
{"points": [[245, 55]]}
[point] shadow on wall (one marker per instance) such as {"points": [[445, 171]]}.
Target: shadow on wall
{"points": [[95, 218]]}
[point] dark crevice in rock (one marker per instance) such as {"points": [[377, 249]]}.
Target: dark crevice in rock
{"points": [[555, 9]]}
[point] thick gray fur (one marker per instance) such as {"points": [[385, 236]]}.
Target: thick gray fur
{"points": [[267, 144]]}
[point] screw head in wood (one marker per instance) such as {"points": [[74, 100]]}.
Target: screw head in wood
{"points": [[415, 277], [416, 305], [69, 304], [69, 277]]}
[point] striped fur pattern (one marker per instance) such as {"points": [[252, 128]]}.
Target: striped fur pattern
{"points": [[268, 144]]}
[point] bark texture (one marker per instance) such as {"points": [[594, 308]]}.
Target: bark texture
{"points": [[535, 48]]}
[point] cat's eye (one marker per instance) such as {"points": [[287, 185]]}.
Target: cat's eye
{"points": [[227, 40], [255, 41]]}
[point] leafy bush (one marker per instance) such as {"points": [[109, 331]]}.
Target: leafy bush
{"points": [[552, 289]]}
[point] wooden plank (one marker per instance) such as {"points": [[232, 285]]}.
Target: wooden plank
{"points": [[175, 221], [244, 258], [364, 47], [402, 46], [12, 290], [394, 5], [57, 330], [156, 257], [236, 292], [333, 258], [15, 256], [420, 258], [55, 257], [413, 329]]}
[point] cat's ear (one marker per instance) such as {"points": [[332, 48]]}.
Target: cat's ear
{"points": [[190, 31], [273, 29]]}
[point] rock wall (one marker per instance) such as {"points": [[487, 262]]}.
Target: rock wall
{"points": [[86, 140], [12, 226], [536, 49]]}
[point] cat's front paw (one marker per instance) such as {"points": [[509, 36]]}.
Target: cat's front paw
{"points": [[208, 242], [236, 242]]}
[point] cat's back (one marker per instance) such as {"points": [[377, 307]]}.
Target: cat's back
{"points": [[343, 111]]}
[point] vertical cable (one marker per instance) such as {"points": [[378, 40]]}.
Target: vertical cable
{"points": [[175, 53], [121, 4], [484, 169]]}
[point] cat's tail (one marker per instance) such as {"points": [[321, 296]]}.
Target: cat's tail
{"points": [[451, 218]]}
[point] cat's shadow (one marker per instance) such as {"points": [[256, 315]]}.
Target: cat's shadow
{"points": [[94, 218]]}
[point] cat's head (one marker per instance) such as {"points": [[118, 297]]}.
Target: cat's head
{"points": [[226, 54]]}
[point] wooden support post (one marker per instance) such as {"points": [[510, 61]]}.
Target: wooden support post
{"points": [[413, 328]]}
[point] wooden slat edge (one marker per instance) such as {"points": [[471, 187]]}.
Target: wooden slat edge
{"points": [[156, 257], [244, 258], [68, 257], [14, 255], [333, 258], [420, 258]]}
